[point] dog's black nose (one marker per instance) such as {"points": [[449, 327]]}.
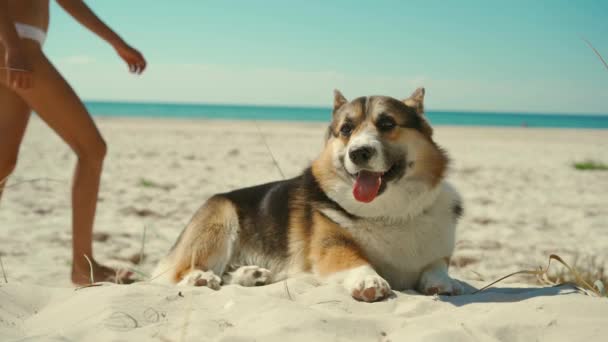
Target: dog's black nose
{"points": [[361, 155]]}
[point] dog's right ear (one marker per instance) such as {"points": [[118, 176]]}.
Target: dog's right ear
{"points": [[339, 100], [416, 101]]}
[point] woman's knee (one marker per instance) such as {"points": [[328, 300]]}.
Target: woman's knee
{"points": [[94, 152]]}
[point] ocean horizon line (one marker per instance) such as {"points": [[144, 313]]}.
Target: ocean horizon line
{"points": [[323, 114], [302, 106]]}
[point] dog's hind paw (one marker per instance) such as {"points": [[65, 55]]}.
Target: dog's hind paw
{"points": [[249, 276], [201, 278]]}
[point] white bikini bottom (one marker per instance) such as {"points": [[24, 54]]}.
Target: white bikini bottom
{"points": [[26, 31]]}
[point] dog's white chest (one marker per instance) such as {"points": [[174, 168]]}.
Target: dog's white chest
{"points": [[399, 250]]}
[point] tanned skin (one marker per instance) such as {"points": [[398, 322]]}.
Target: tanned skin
{"points": [[29, 81]]}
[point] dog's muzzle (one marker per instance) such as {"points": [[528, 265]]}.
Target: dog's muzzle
{"points": [[361, 155]]}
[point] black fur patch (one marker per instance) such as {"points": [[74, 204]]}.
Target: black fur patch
{"points": [[406, 116], [264, 211]]}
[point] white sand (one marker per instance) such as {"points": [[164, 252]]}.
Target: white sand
{"points": [[523, 201], [146, 312]]}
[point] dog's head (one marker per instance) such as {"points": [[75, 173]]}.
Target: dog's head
{"points": [[382, 150]]}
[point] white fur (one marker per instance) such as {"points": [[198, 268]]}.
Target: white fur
{"points": [[249, 276], [362, 278], [368, 137], [402, 244], [338, 217], [201, 278], [435, 280]]}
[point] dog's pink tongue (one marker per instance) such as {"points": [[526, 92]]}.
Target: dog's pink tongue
{"points": [[367, 186]]}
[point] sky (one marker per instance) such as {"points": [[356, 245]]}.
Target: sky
{"points": [[524, 56]]}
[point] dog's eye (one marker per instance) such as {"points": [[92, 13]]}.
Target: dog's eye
{"points": [[346, 129], [386, 123]]}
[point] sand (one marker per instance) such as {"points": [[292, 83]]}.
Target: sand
{"points": [[523, 201], [148, 312]]}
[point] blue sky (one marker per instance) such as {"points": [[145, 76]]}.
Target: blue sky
{"points": [[470, 55]]}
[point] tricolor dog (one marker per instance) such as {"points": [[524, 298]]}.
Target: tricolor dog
{"points": [[373, 212]]}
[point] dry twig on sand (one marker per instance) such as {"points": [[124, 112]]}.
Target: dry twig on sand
{"points": [[92, 276], [287, 290], [276, 164], [580, 282], [34, 180], [3, 271], [143, 245]]}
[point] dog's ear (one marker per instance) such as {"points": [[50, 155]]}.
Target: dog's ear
{"points": [[416, 101], [339, 99]]}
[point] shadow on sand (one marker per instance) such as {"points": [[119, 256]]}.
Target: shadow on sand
{"points": [[506, 294]]}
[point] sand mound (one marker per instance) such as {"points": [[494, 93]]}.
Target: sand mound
{"points": [[298, 310]]}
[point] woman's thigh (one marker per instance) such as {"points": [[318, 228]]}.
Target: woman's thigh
{"points": [[54, 100], [14, 116]]}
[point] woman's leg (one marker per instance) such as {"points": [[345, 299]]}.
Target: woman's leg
{"points": [[59, 106], [14, 115]]}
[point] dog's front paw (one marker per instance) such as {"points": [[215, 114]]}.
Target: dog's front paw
{"points": [[439, 283], [201, 278], [364, 284]]}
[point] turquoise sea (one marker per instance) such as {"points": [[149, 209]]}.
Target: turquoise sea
{"points": [[244, 112]]}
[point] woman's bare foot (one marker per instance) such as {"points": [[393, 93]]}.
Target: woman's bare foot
{"points": [[81, 274]]}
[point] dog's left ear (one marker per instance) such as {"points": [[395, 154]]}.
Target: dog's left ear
{"points": [[416, 101], [339, 99]]}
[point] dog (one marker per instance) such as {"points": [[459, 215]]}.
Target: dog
{"points": [[372, 212]]}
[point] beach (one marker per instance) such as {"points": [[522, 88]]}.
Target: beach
{"points": [[523, 201]]}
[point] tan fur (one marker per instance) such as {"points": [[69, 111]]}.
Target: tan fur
{"points": [[416, 100], [322, 166], [332, 248], [339, 99], [395, 136], [201, 247], [299, 237], [362, 127], [431, 162], [355, 112]]}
